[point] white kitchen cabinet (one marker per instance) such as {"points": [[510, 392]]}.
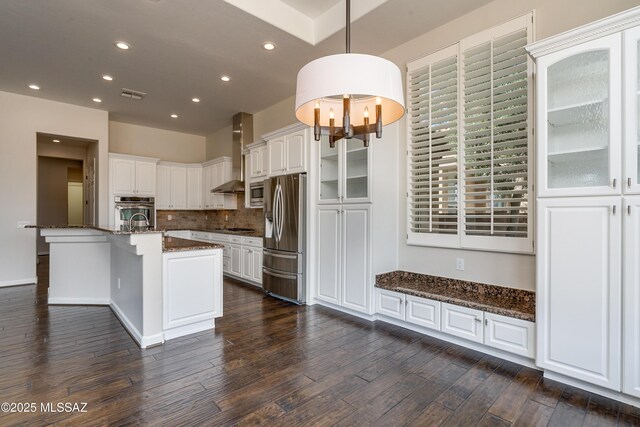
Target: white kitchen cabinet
{"points": [[131, 175], [344, 267], [631, 292], [510, 334], [192, 291], [423, 312], [214, 173], [463, 322], [257, 163], [391, 304], [287, 154], [256, 265], [631, 89], [579, 104], [344, 171], [172, 186], [235, 258], [579, 288], [194, 187]]}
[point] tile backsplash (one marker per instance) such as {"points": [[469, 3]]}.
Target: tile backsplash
{"points": [[241, 217]]}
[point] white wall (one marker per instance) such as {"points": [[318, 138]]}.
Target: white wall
{"points": [[163, 144], [552, 17], [21, 117]]}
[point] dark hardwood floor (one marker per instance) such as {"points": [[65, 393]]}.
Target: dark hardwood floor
{"points": [[270, 363]]}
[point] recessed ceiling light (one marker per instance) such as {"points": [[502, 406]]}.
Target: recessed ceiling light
{"points": [[97, 100], [195, 99], [225, 78], [269, 45], [123, 45], [174, 116], [107, 77], [56, 141], [34, 87]]}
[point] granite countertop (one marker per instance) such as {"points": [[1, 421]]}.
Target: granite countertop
{"points": [[509, 302], [252, 233], [175, 244], [105, 228]]}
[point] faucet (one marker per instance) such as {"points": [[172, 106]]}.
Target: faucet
{"points": [[146, 220]]}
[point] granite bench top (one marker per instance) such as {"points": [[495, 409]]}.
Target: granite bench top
{"points": [[516, 303]]}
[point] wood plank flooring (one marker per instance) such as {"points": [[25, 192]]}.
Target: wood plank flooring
{"points": [[270, 363]]}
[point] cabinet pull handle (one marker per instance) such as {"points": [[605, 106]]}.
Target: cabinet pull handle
{"points": [[615, 181], [629, 182], [614, 209], [478, 320], [628, 209]]}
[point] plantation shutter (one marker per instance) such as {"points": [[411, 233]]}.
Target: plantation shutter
{"points": [[433, 144], [496, 140]]}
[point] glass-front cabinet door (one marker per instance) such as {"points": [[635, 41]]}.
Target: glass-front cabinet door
{"points": [[632, 111], [579, 114], [344, 171]]}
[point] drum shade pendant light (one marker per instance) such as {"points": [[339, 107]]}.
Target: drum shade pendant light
{"points": [[349, 95]]}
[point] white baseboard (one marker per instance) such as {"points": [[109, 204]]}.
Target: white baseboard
{"points": [[143, 341], [19, 282], [78, 301], [189, 329], [611, 394], [364, 316]]}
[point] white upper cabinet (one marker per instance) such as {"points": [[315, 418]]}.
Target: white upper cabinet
{"points": [[257, 163], [287, 154], [132, 175], [344, 171], [578, 119], [215, 173], [631, 91], [194, 187]]}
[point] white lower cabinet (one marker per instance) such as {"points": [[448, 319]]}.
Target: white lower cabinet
{"points": [[192, 291], [344, 256], [631, 292], [252, 264], [579, 288], [505, 333], [509, 334], [423, 312], [463, 322], [235, 258]]}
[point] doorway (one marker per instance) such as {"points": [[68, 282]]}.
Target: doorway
{"points": [[65, 182]]}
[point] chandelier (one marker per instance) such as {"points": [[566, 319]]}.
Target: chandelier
{"points": [[349, 95]]}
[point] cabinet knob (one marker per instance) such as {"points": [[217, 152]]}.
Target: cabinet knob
{"points": [[614, 209], [615, 181], [629, 182]]}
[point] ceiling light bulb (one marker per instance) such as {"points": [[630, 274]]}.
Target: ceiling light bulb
{"points": [[107, 77], [97, 100], [269, 45], [317, 104], [225, 78], [123, 45], [366, 111], [56, 141], [34, 87], [195, 99], [378, 100], [174, 116], [331, 113]]}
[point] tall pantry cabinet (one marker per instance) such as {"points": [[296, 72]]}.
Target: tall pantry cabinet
{"points": [[588, 208]]}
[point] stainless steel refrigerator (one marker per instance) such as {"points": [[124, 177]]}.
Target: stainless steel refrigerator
{"points": [[283, 266]]}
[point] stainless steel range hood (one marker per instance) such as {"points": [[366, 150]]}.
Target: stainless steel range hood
{"points": [[242, 132]]}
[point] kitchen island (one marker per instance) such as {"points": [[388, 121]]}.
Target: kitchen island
{"points": [[126, 269]]}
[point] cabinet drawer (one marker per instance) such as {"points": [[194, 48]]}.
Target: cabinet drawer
{"points": [[219, 237], [423, 312], [252, 241], [509, 334], [201, 235], [462, 322], [235, 239], [390, 304]]}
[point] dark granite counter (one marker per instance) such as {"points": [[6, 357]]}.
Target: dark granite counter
{"points": [[174, 244], [252, 233], [509, 302], [105, 228]]}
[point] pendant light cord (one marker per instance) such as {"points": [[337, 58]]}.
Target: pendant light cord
{"points": [[348, 26]]}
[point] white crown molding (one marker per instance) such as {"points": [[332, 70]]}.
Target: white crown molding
{"points": [[603, 27], [284, 131], [130, 157]]}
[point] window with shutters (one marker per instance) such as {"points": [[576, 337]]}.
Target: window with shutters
{"points": [[469, 119]]}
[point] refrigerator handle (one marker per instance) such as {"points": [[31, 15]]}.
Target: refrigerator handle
{"points": [[276, 212], [280, 212]]}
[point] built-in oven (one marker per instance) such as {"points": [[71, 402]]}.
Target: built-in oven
{"points": [[256, 194], [132, 212]]}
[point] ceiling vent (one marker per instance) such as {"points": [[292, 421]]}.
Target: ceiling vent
{"points": [[133, 94]]}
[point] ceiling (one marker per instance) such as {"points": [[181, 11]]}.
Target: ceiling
{"points": [[181, 48]]}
